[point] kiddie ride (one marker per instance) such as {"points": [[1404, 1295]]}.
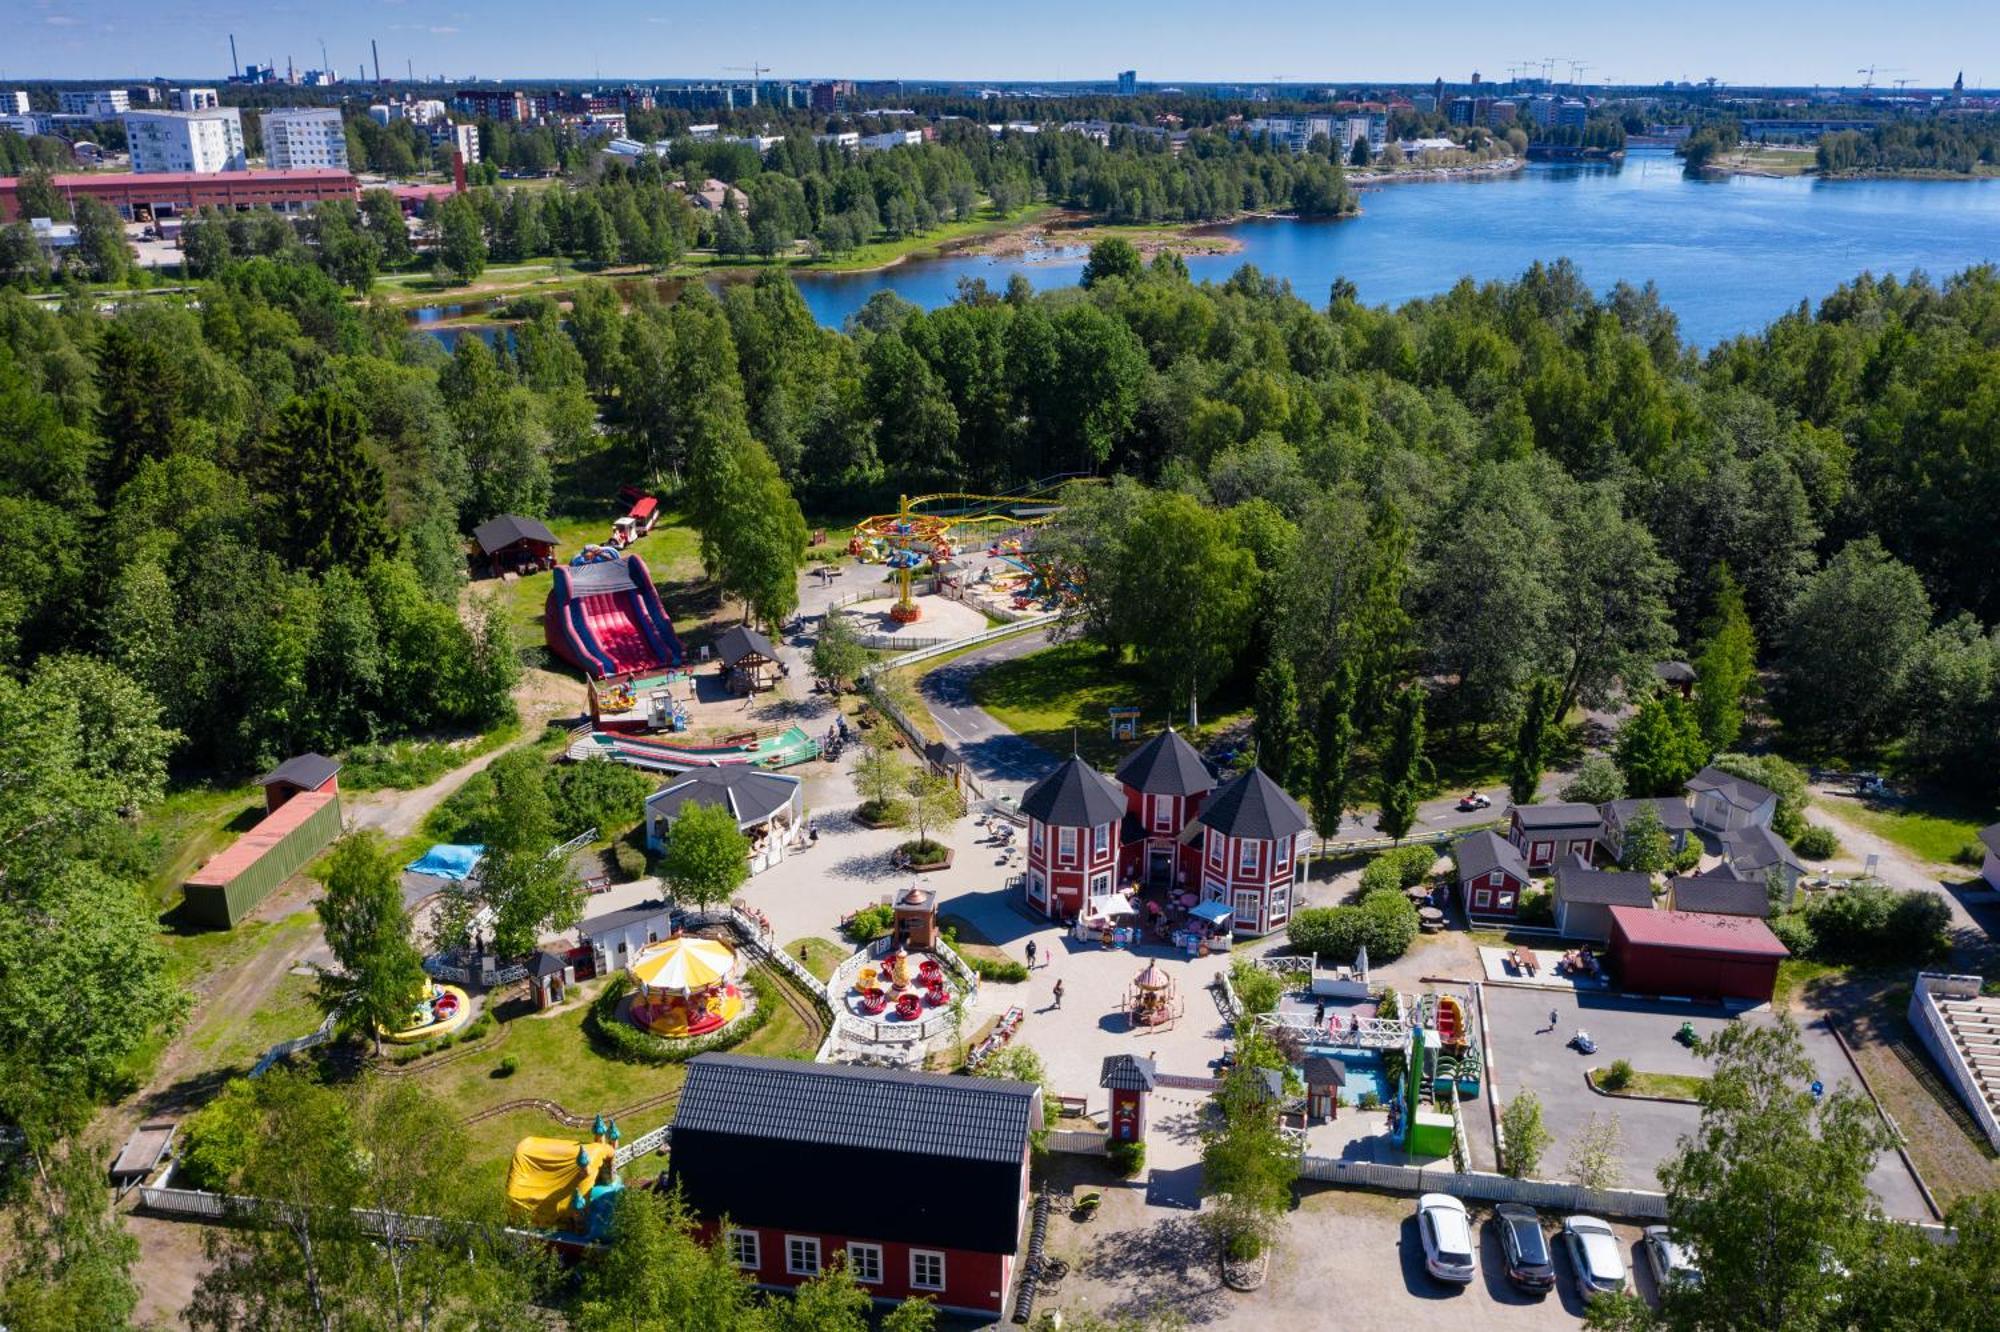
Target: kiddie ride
{"points": [[566, 1190], [916, 535], [442, 1009]]}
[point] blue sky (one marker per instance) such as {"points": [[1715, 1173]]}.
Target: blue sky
{"points": [[1777, 41]]}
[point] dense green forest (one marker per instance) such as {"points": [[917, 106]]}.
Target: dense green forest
{"points": [[1959, 146]]}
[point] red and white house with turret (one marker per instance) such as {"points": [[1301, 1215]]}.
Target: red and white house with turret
{"points": [[1073, 816], [1165, 782], [1252, 837]]}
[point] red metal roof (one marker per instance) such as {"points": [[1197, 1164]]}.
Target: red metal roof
{"points": [[83, 181], [644, 508], [251, 846], [1699, 931]]}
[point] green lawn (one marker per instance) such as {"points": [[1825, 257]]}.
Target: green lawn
{"points": [[188, 827], [1065, 690], [229, 1040], [1795, 974], [1933, 830], [1686, 1086], [821, 956]]}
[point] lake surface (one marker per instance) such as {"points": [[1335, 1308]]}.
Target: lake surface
{"points": [[1728, 254]]}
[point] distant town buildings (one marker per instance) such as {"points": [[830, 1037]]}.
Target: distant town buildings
{"points": [[196, 99], [464, 139], [304, 137], [14, 103], [830, 96], [1128, 82], [202, 142], [104, 104]]}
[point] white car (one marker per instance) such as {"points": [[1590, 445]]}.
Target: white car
{"points": [[1447, 1236], [1672, 1264], [1593, 1256]]}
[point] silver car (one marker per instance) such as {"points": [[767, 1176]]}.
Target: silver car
{"points": [[1593, 1256], [1671, 1263], [1447, 1237]]}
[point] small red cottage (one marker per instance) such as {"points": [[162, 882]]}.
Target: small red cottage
{"points": [[1547, 835], [1165, 781], [1491, 874], [1250, 831], [515, 544], [1073, 817], [919, 1181], [304, 772], [1129, 1078]]}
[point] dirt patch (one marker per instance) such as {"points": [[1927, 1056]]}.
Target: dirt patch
{"points": [[1063, 236]]}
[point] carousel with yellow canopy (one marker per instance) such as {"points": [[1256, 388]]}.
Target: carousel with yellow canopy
{"points": [[685, 987]]}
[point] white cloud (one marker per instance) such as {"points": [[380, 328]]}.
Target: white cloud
{"points": [[63, 21]]}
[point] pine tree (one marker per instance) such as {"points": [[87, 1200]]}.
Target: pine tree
{"points": [[1531, 741], [327, 495], [1281, 741], [1333, 753]]}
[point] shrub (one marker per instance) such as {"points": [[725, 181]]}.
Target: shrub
{"points": [[1256, 988], [621, 1040], [870, 923], [1688, 857], [1385, 923], [1597, 781], [1795, 934], [1536, 907], [631, 861], [1972, 854], [1127, 1158], [1617, 1077], [926, 853], [215, 1139], [1817, 843], [1368, 1100], [1397, 869], [597, 793], [1003, 969], [1873, 923], [507, 1067]]}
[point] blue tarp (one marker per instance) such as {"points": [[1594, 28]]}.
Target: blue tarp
{"points": [[446, 861], [1215, 913]]}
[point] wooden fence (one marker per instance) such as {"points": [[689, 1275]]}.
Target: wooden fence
{"points": [[1077, 1142]]}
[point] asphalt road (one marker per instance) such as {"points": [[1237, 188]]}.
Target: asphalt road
{"points": [[1001, 761]]}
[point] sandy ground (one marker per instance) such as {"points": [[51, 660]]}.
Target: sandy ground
{"points": [[1070, 236]]}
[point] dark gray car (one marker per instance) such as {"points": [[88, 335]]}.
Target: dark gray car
{"points": [[1530, 1265]]}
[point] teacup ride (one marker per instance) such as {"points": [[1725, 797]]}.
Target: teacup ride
{"points": [[873, 1000], [908, 1006], [685, 987], [896, 970], [441, 1010]]}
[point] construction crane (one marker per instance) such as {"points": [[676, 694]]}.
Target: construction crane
{"points": [[753, 69], [1868, 75], [1576, 68]]}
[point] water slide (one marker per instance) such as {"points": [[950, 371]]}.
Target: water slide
{"points": [[606, 619]]}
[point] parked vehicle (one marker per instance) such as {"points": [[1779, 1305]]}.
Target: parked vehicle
{"points": [[1593, 1256], [1672, 1265], [1530, 1265], [1447, 1238]]}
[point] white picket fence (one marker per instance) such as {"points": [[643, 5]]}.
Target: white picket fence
{"points": [[1482, 1186], [642, 1145]]}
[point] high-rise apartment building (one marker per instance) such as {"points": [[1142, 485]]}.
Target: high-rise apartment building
{"points": [[102, 103], [299, 137], [203, 142]]}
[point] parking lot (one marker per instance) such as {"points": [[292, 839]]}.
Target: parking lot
{"points": [[1526, 1052]]}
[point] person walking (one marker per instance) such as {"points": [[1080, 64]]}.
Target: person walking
{"points": [[1059, 988], [1031, 954]]}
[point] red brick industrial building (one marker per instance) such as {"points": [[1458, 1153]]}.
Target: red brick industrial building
{"points": [[153, 195]]}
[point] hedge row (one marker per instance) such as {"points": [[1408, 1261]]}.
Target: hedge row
{"points": [[1385, 923]]}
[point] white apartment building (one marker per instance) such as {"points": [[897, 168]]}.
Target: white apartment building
{"points": [[463, 138], [203, 142], [196, 99], [102, 104], [299, 137], [14, 103], [1294, 132], [877, 143]]}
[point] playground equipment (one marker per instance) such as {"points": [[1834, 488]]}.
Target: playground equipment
{"points": [[563, 1187], [780, 749], [684, 987], [441, 1009], [638, 522], [928, 528], [1424, 1132], [1151, 1000], [604, 617]]}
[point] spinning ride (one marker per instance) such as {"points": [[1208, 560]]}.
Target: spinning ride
{"points": [[685, 987]]}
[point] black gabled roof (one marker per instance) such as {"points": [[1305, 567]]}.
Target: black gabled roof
{"points": [[1482, 852], [740, 641], [1166, 765], [1757, 848], [1673, 813], [1562, 814], [545, 964], [308, 772], [1256, 808], [1738, 791], [938, 1116], [750, 794], [1075, 795], [1127, 1072], [1674, 672], [497, 534], [1721, 895], [1578, 883]]}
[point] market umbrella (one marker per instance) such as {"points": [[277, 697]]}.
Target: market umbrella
{"points": [[683, 965]]}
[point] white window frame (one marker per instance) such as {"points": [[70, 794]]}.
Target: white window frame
{"points": [[1256, 906], [1037, 888], [1163, 813], [1100, 840], [1246, 856], [1215, 847], [746, 1249], [856, 1252], [919, 1257], [794, 1247], [1504, 900], [1066, 845], [1100, 884]]}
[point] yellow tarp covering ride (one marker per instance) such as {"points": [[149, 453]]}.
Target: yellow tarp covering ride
{"points": [[543, 1178]]}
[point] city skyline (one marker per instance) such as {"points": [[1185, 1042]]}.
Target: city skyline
{"points": [[1795, 44]]}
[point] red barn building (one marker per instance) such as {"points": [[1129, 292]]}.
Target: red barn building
{"points": [[918, 1180], [1546, 835], [296, 775], [1250, 844], [1695, 954], [1073, 827], [1165, 781]]}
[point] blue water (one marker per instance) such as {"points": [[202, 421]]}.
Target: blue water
{"points": [[1728, 255], [1364, 1072]]}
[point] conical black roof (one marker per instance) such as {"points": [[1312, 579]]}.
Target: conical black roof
{"points": [[1166, 765], [1255, 807], [1075, 795]]}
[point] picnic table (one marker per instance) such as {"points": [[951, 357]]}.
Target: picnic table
{"points": [[1523, 958]]}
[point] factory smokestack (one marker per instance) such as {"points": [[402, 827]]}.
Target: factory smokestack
{"points": [[378, 58], [235, 69]]}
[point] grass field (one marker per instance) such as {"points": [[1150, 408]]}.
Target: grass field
{"points": [[229, 1040], [1048, 696], [1935, 831], [821, 956], [1682, 1086]]}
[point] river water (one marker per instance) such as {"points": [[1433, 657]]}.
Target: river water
{"points": [[1728, 254]]}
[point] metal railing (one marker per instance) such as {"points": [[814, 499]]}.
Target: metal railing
{"points": [[629, 1152], [286, 1049], [1482, 1186], [1077, 1142]]}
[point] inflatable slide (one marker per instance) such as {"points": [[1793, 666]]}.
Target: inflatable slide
{"points": [[606, 619]]}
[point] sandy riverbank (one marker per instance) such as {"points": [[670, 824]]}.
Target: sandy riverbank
{"points": [[1070, 236]]}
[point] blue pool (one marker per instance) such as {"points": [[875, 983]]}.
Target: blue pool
{"points": [[1364, 1072]]}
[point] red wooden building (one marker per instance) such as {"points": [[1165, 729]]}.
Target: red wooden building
{"points": [[1250, 844], [1074, 815], [918, 1181], [1547, 835], [1695, 954], [303, 772], [1129, 1079], [1165, 781], [160, 194], [1491, 874]]}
